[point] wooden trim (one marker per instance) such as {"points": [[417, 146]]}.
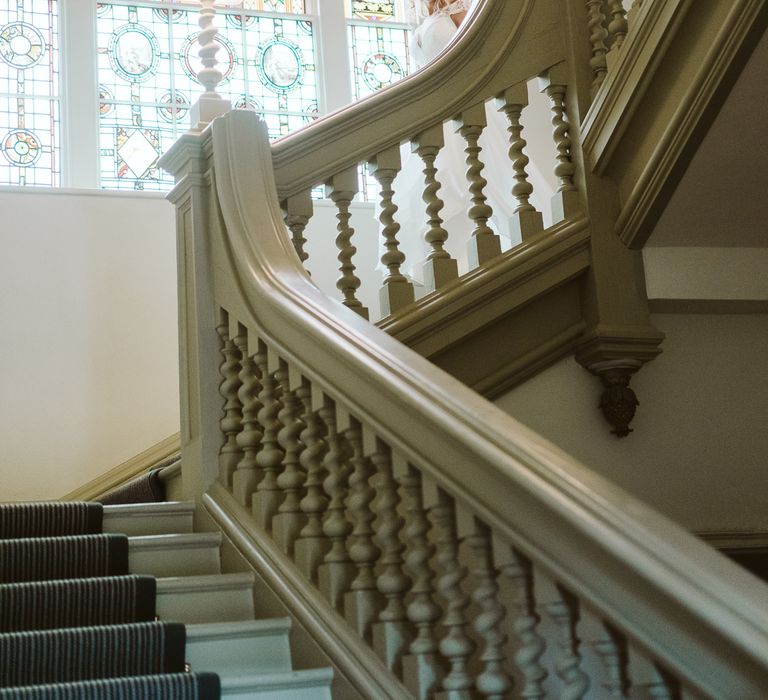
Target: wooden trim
{"points": [[736, 540], [357, 662], [126, 471], [649, 64]]}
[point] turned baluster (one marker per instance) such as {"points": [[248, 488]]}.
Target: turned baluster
{"points": [[617, 29], [247, 475], [396, 290], [493, 680], [439, 267], [231, 422], [526, 221], [611, 647], [484, 244], [455, 646], [297, 212], [519, 571], [337, 570], [289, 519], [563, 608], [341, 190], [311, 545], [266, 500], [565, 200], [421, 671], [390, 633], [597, 37], [363, 601]]}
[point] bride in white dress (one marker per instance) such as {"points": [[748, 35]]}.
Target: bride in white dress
{"points": [[438, 23]]}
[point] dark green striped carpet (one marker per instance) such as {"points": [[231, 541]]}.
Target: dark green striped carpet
{"points": [[74, 625]]}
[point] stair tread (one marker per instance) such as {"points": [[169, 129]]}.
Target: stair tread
{"points": [[148, 509], [205, 582], [239, 628], [303, 677], [175, 541]]}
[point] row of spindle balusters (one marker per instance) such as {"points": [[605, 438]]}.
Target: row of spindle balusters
{"points": [[449, 607], [608, 22], [440, 267]]}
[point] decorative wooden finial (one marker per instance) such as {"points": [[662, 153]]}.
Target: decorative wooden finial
{"points": [[210, 104]]}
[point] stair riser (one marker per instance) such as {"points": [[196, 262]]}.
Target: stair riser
{"points": [[160, 524], [237, 655], [219, 605], [186, 561]]}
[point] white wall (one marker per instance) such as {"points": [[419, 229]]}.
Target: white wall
{"points": [[699, 452], [88, 359]]}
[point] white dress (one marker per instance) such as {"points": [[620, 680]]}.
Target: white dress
{"points": [[429, 39]]}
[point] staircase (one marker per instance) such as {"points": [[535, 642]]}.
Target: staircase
{"points": [[427, 543], [220, 637]]}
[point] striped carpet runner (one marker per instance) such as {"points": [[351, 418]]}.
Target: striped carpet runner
{"points": [[85, 653], [52, 519], [77, 602], [74, 625], [189, 686], [75, 556]]}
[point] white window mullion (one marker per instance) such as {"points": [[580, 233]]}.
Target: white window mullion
{"points": [[80, 115], [334, 55]]}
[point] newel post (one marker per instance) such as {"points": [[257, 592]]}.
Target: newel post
{"points": [[199, 355], [189, 160], [619, 337]]}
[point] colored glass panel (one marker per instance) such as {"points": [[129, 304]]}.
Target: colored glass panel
{"points": [[379, 56], [285, 6], [148, 64], [377, 10], [29, 93]]}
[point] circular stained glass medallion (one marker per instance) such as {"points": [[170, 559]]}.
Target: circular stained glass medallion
{"points": [[105, 100], [240, 21], [280, 66], [380, 70], [21, 148], [21, 45], [192, 65], [248, 102], [165, 14], [133, 53], [173, 109]]}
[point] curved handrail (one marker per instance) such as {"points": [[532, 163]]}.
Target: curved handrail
{"points": [[434, 94], [702, 616]]}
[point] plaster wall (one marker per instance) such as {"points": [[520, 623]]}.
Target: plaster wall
{"points": [[89, 354], [699, 447]]}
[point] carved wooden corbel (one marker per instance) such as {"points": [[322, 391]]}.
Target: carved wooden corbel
{"points": [[614, 356]]}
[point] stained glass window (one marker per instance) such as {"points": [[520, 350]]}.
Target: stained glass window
{"points": [[29, 92], [148, 63]]}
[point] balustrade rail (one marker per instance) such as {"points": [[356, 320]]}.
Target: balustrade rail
{"points": [[411, 140], [473, 558]]}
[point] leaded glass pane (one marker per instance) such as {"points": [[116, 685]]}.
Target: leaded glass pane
{"points": [[296, 7], [379, 55], [148, 65], [377, 10], [29, 93]]}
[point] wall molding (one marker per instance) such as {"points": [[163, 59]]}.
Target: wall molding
{"points": [[126, 471]]}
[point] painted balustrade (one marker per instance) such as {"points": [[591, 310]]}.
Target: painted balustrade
{"points": [[468, 557], [406, 131], [436, 547]]}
